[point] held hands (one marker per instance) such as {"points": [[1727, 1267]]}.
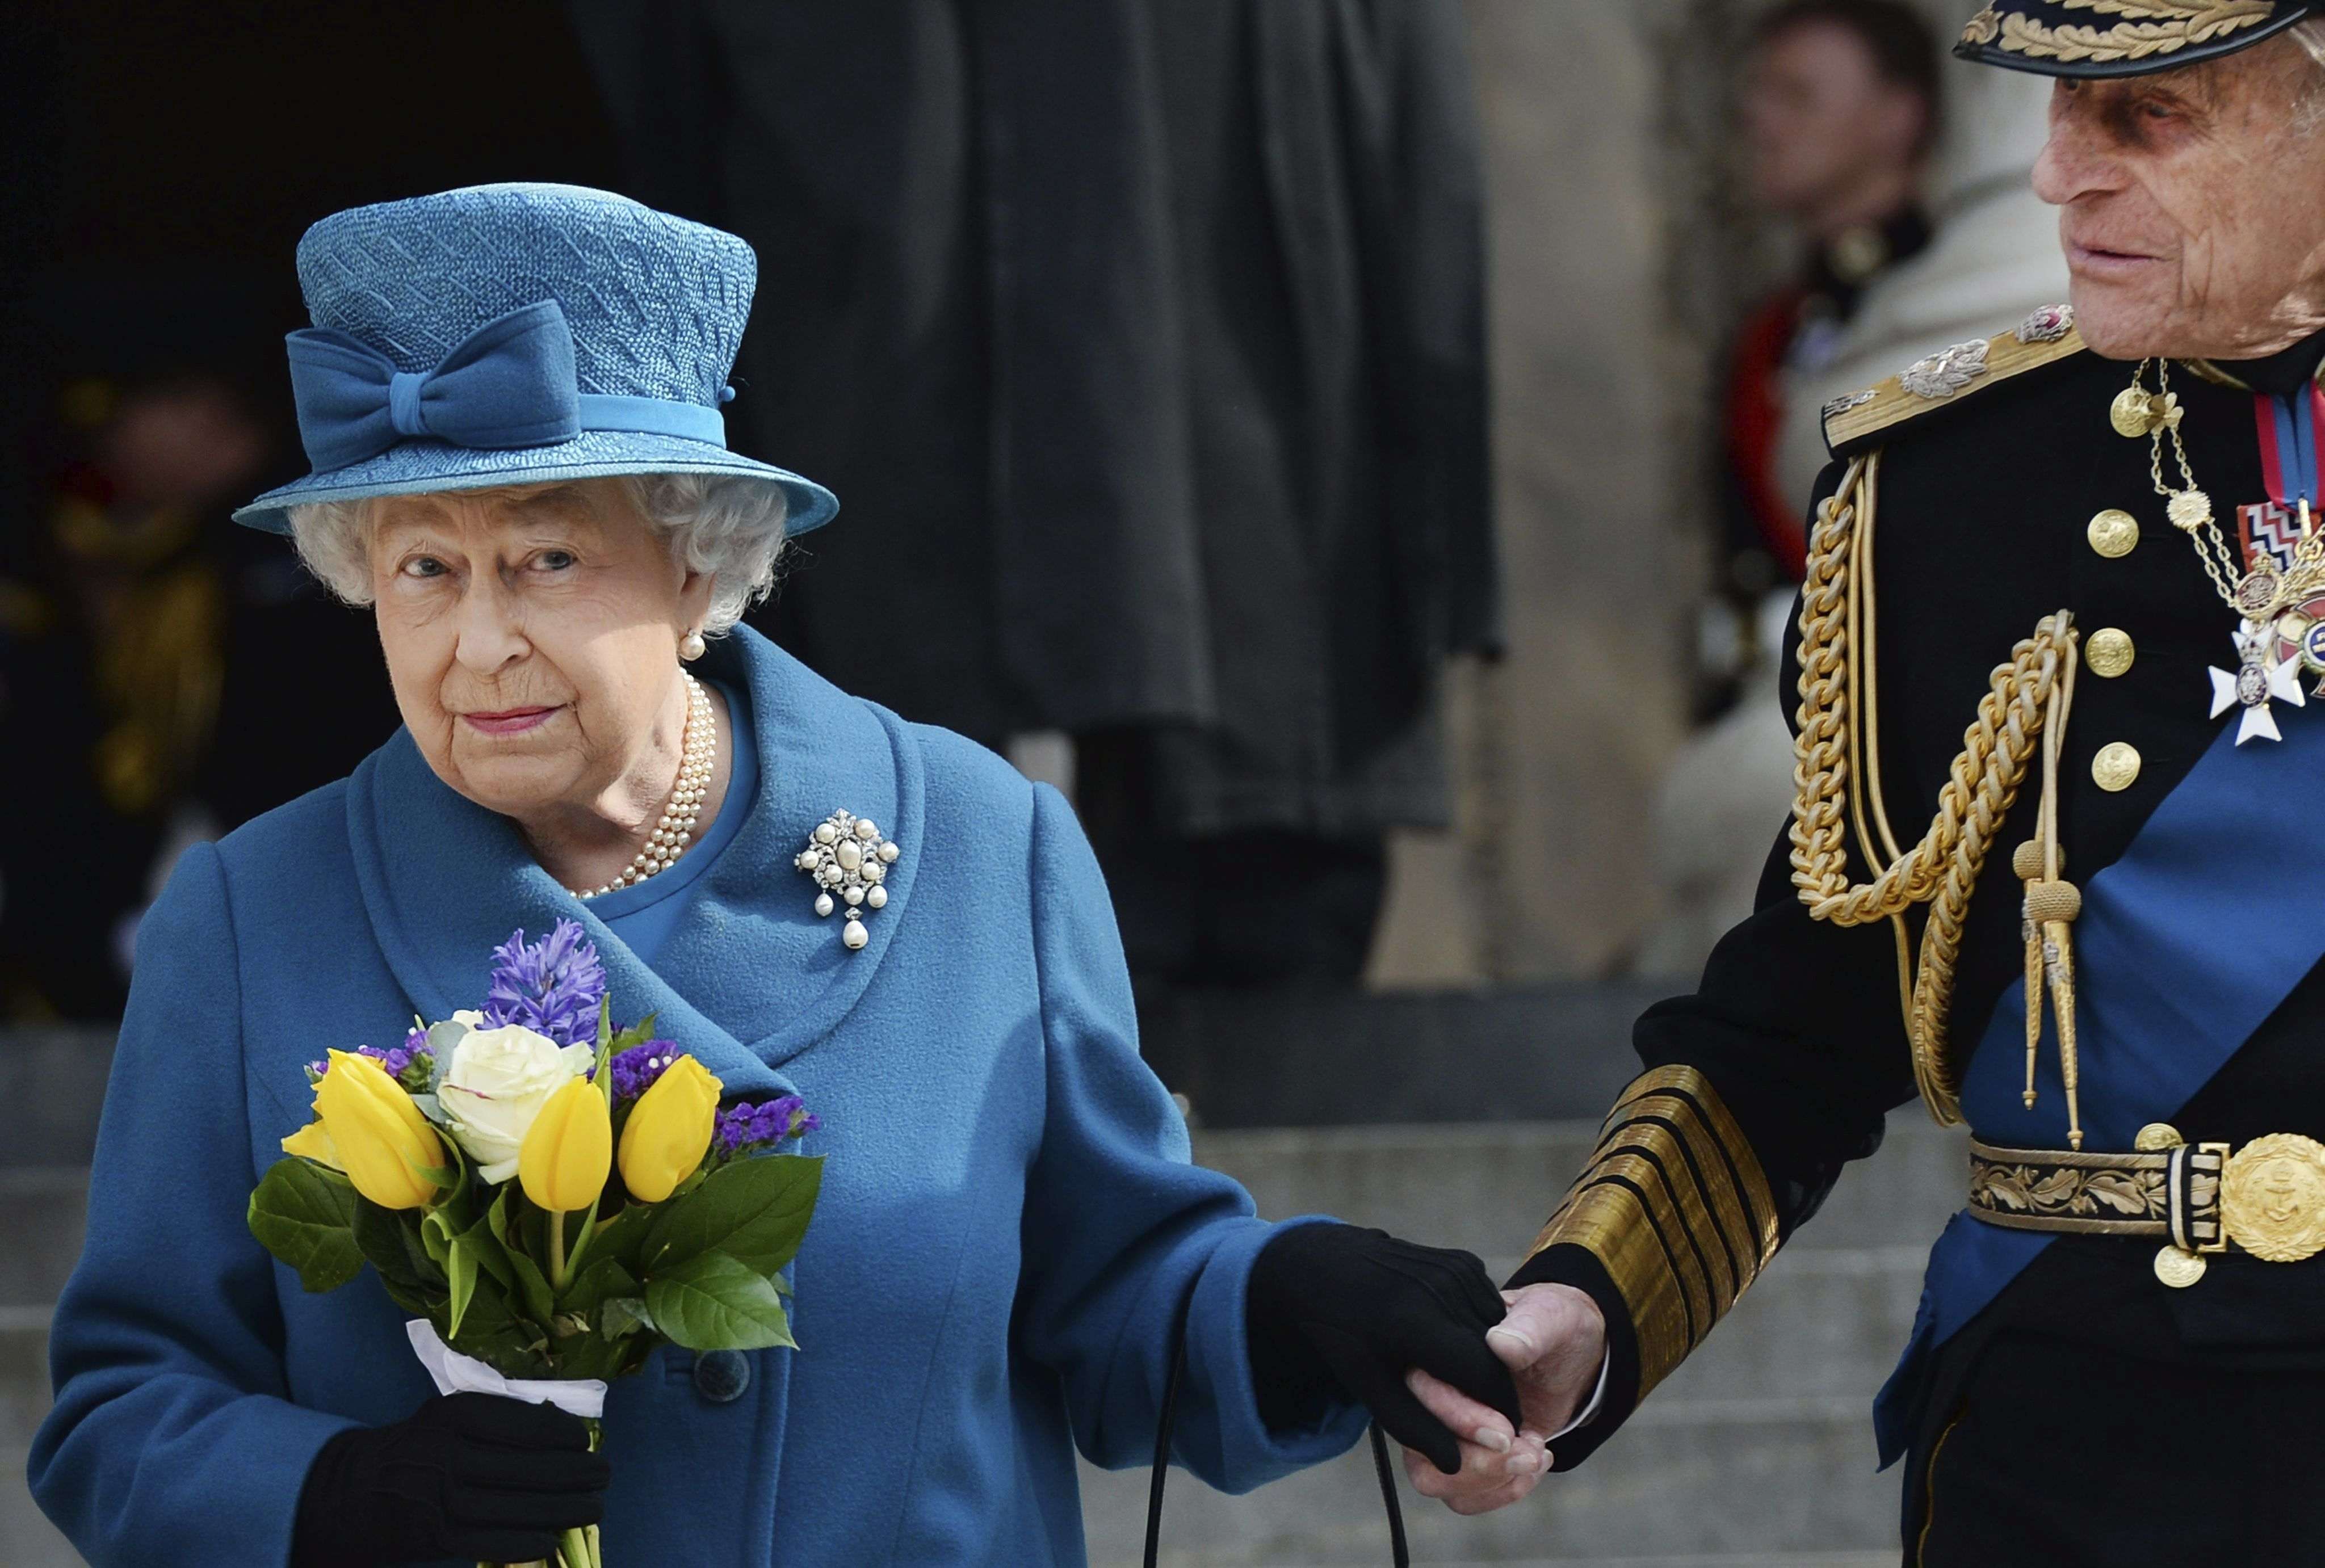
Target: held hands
{"points": [[1554, 1342], [1336, 1310]]}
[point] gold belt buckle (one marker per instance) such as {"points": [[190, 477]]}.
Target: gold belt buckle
{"points": [[2273, 1198], [2268, 1198]]}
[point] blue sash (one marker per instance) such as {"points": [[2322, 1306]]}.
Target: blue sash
{"points": [[2185, 945]]}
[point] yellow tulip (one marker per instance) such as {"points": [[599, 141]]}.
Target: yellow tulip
{"points": [[669, 1131], [568, 1148], [314, 1141], [382, 1141]]}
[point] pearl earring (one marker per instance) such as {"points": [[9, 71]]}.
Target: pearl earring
{"points": [[692, 647]]}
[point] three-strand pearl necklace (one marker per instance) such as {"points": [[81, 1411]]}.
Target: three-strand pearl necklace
{"points": [[698, 754]]}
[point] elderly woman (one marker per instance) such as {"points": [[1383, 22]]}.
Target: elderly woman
{"points": [[2118, 983], [511, 396]]}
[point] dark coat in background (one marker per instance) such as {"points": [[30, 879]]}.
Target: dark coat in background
{"points": [[1142, 342]]}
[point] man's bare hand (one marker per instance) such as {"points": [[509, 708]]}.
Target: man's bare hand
{"points": [[1553, 1341]]}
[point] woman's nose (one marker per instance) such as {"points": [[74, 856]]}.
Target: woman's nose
{"points": [[492, 633]]}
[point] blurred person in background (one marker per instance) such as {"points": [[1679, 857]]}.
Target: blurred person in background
{"points": [[1841, 113], [1992, 259], [131, 623], [1150, 337]]}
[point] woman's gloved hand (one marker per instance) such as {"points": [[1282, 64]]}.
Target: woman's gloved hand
{"points": [[472, 1476], [1335, 1310]]}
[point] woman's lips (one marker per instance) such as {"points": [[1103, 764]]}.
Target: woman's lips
{"points": [[509, 720]]}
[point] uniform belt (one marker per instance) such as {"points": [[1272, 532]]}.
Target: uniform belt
{"points": [[2267, 1198]]}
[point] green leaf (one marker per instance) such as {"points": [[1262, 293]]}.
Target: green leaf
{"points": [[309, 1222], [391, 1241], [637, 1034], [461, 1267], [533, 1285], [717, 1303], [623, 1315], [754, 1211], [594, 1285]]}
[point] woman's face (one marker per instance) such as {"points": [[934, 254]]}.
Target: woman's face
{"points": [[532, 637]]}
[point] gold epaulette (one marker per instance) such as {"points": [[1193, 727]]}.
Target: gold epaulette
{"points": [[1675, 1207], [1949, 375]]}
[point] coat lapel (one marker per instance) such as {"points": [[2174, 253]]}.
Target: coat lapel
{"points": [[443, 881]]}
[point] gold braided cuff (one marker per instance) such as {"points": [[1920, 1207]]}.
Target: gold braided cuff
{"points": [[1675, 1207]]}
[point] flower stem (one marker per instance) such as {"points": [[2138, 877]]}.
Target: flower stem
{"points": [[556, 1249], [573, 1551]]}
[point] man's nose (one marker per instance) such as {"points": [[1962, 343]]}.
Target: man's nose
{"points": [[2074, 162]]}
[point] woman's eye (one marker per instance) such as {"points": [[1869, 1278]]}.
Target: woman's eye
{"points": [[423, 567], [554, 560]]}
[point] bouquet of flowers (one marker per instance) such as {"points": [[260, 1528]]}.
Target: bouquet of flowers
{"points": [[550, 1197]]}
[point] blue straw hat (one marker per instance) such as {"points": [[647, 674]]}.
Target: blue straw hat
{"points": [[516, 334]]}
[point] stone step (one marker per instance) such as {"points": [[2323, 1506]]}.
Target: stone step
{"points": [[41, 1212], [1782, 1481], [27, 1539], [1487, 1187]]}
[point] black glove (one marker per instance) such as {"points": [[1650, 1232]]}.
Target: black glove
{"points": [[471, 1476], [1332, 1308]]}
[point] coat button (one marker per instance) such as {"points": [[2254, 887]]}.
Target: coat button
{"points": [[721, 1376], [2116, 766], [2114, 533], [2109, 652]]}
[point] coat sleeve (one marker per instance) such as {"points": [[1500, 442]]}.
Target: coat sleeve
{"points": [[1121, 1230], [173, 1438], [1760, 1087]]}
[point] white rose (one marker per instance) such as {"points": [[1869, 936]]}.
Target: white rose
{"points": [[495, 1083]]}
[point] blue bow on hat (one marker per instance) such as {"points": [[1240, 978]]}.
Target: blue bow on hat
{"points": [[510, 384], [511, 335]]}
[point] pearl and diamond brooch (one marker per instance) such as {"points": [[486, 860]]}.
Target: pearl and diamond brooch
{"points": [[848, 861]]}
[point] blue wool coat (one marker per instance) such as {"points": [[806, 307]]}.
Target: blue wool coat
{"points": [[1008, 1221]]}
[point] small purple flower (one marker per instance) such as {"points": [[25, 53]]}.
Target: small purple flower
{"points": [[744, 1127], [552, 987], [411, 1064], [635, 1069]]}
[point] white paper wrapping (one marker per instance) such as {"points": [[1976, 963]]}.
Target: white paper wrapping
{"points": [[457, 1374]]}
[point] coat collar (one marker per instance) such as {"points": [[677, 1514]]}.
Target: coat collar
{"points": [[444, 880]]}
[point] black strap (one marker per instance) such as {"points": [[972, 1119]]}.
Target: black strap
{"points": [[1167, 1427]]}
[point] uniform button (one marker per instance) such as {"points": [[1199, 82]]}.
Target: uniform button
{"points": [[721, 1376], [2116, 766], [2109, 652], [2114, 533]]}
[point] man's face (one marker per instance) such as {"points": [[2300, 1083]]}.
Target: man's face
{"points": [[1819, 118], [2193, 205]]}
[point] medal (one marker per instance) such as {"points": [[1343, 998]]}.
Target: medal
{"points": [[2275, 585]]}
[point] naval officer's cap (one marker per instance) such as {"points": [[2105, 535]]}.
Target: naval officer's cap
{"points": [[2112, 38]]}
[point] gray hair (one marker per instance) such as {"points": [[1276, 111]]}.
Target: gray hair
{"points": [[728, 525]]}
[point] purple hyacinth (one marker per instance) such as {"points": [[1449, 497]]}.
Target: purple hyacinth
{"points": [[744, 1126], [411, 1063], [552, 987], [635, 1069]]}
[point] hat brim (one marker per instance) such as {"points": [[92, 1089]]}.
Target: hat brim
{"points": [[2068, 53], [430, 468]]}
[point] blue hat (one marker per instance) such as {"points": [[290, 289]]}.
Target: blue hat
{"points": [[516, 334], [2106, 38]]}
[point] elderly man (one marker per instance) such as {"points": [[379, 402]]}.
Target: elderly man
{"points": [[2052, 866]]}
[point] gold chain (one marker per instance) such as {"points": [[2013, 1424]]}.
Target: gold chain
{"points": [[1942, 870], [2190, 510]]}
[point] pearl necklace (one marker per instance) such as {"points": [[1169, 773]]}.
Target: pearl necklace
{"points": [[697, 752]]}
